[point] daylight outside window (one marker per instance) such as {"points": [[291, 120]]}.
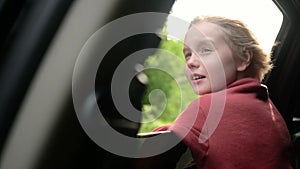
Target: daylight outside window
{"points": [[167, 95]]}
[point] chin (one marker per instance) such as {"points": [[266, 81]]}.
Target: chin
{"points": [[201, 92], [197, 93]]}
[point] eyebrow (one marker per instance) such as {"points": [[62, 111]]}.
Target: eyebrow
{"points": [[206, 41], [199, 43]]}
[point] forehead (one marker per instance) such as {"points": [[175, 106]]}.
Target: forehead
{"points": [[204, 33]]}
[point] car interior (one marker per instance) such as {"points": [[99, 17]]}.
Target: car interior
{"points": [[39, 45]]}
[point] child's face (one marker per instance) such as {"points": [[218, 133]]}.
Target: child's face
{"points": [[210, 65]]}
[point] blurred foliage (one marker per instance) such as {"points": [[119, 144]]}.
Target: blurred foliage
{"points": [[168, 92]]}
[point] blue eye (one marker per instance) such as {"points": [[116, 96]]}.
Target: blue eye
{"points": [[206, 50]]}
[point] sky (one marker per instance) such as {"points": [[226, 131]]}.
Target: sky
{"points": [[262, 16]]}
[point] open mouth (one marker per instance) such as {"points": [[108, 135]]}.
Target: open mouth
{"points": [[197, 77]]}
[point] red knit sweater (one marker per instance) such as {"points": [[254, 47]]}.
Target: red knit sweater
{"points": [[246, 132]]}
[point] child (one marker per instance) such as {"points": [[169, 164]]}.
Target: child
{"points": [[234, 124]]}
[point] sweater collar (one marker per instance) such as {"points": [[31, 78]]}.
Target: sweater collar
{"points": [[249, 85]]}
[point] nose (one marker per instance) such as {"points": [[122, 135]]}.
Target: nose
{"points": [[193, 62]]}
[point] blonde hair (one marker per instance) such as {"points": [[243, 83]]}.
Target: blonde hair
{"points": [[242, 40]]}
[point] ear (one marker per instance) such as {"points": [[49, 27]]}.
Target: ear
{"points": [[242, 66]]}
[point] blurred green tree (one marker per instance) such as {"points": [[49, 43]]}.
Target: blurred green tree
{"points": [[168, 91]]}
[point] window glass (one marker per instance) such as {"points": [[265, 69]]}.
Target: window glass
{"points": [[168, 91]]}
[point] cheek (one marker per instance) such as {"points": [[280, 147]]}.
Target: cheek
{"points": [[229, 68], [212, 66], [220, 70]]}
